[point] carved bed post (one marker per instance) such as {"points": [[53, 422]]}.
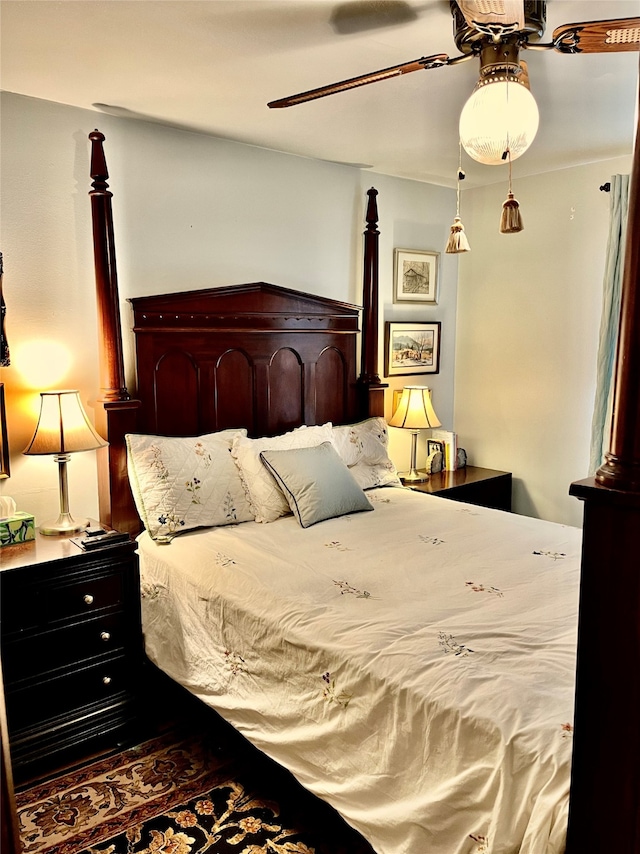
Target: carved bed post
{"points": [[604, 812], [117, 412], [371, 389], [112, 379]]}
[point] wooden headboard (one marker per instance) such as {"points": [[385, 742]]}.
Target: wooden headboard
{"points": [[256, 356]]}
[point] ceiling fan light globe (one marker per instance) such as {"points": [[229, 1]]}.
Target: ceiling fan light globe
{"points": [[501, 114]]}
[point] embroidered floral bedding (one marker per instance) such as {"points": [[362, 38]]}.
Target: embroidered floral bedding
{"points": [[413, 666]]}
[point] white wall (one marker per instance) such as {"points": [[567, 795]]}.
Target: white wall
{"points": [[529, 309], [189, 212]]}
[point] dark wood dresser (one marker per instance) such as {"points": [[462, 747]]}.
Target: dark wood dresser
{"points": [[72, 653]]}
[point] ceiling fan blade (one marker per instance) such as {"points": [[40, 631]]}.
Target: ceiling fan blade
{"points": [[598, 36], [424, 63], [484, 15], [355, 16]]}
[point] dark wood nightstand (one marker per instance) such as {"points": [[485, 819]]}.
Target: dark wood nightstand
{"points": [[71, 649], [485, 487]]}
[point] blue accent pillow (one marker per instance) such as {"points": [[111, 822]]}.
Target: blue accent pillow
{"points": [[316, 483]]}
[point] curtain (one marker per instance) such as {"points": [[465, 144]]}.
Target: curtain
{"points": [[600, 425]]}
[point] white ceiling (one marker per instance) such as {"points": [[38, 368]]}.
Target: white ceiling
{"points": [[210, 66]]}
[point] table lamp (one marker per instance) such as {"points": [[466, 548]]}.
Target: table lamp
{"points": [[414, 412], [63, 429]]}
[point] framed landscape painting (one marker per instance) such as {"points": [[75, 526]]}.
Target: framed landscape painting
{"points": [[412, 348], [415, 276]]}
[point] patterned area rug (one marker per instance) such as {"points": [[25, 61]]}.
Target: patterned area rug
{"points": [[180, 796]]}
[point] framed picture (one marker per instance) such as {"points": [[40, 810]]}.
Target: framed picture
{"points": [[415, 276], [412, 348], [434, 447]]}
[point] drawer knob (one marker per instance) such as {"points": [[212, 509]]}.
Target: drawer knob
{"points": [[106, 680], [88, 599], [105, 636]]}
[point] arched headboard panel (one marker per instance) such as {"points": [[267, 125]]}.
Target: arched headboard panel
{"points": [[332, 376], [285, 381], [174, 403], [232, 396]]}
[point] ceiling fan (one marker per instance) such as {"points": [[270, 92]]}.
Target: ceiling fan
{"points": [[495, 31]]}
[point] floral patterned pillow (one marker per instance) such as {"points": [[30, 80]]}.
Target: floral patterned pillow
{"points": [[363, 447], [183, 483]]}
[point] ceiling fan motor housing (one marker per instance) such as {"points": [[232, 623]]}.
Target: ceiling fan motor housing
{"points": [[500, 58], [470, 40]]}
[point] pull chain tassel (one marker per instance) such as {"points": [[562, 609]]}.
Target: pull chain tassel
{"points": [[457, 241], [511, 220]]}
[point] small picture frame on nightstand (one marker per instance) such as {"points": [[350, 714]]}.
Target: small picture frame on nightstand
{"points": [[434, 447]]}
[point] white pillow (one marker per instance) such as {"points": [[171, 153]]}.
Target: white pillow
{"points": [[316, 483], [183, 483], [363, 448], [265, 496]]}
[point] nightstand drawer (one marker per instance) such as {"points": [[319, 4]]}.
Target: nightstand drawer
{"points": [[99, 683], [26, 657], [58, 600]]}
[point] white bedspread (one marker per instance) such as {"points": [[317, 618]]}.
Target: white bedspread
{"points": [[413, 666]]}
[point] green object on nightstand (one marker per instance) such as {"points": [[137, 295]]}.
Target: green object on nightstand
{"points": [[17, 528]]}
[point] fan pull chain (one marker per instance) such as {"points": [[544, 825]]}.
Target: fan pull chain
{"points": [[511, 220], [457, 241]]}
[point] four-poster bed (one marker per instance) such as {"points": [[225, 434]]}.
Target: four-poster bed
{"points": [[293, 347]]}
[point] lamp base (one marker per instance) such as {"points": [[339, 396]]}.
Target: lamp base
{"points": [[413, 476], [65, 524]]}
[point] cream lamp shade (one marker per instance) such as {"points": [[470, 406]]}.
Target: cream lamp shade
{"points": [[414, 412], [63, 429]]}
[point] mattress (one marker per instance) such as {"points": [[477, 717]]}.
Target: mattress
{"points": [[413, 666]]}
